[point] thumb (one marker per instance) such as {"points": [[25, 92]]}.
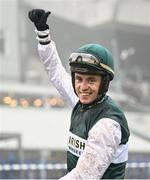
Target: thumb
{"points": [[47, 14], [30, 15]]}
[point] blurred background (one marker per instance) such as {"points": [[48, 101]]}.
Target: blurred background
{"points": [[34, 119]]}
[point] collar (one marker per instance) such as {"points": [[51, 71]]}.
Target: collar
{"points": [[98, 100]]}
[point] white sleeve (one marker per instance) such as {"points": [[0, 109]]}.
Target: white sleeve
{"points": [[102, 143], [57, 73]]}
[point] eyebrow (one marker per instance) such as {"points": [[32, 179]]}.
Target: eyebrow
{"points": [[88, 78]]}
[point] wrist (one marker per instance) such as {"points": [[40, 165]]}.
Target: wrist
{"points": [[42, 28], [43, 36]]}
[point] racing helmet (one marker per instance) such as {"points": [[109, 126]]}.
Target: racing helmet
{"points": [[93, 59]]}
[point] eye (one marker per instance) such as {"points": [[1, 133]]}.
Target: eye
{"points": [[91, 81], [78, 79]]}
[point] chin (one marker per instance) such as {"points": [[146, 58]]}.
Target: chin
{"points": [[85, 101]]}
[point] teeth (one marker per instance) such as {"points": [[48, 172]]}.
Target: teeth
{"points": [[85, 94]]}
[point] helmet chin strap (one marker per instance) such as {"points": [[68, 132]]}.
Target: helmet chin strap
{"points": [[103, 88], [73, 81], [104, 85]]}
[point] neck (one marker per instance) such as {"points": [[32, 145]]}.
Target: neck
{"points": [[98, 100]]}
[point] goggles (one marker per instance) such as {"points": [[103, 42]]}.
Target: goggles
{"points": [[89, 59]]}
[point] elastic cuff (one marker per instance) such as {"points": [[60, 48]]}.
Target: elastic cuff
{"points": [[42, 37], [45, 43], [46, 39], [42, 33]]}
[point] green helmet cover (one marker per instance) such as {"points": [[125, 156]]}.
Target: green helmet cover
{"points": [[104, 58]]}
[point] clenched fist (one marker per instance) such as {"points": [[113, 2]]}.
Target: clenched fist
{"points": [[39, 18]]}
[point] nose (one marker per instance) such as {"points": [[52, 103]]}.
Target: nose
{"points": [[84, 86]]}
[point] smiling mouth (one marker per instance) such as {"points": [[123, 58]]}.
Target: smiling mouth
{"points": [[85, 94]]}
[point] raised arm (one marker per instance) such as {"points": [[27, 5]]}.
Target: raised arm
{"points": [[49, 57]]}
